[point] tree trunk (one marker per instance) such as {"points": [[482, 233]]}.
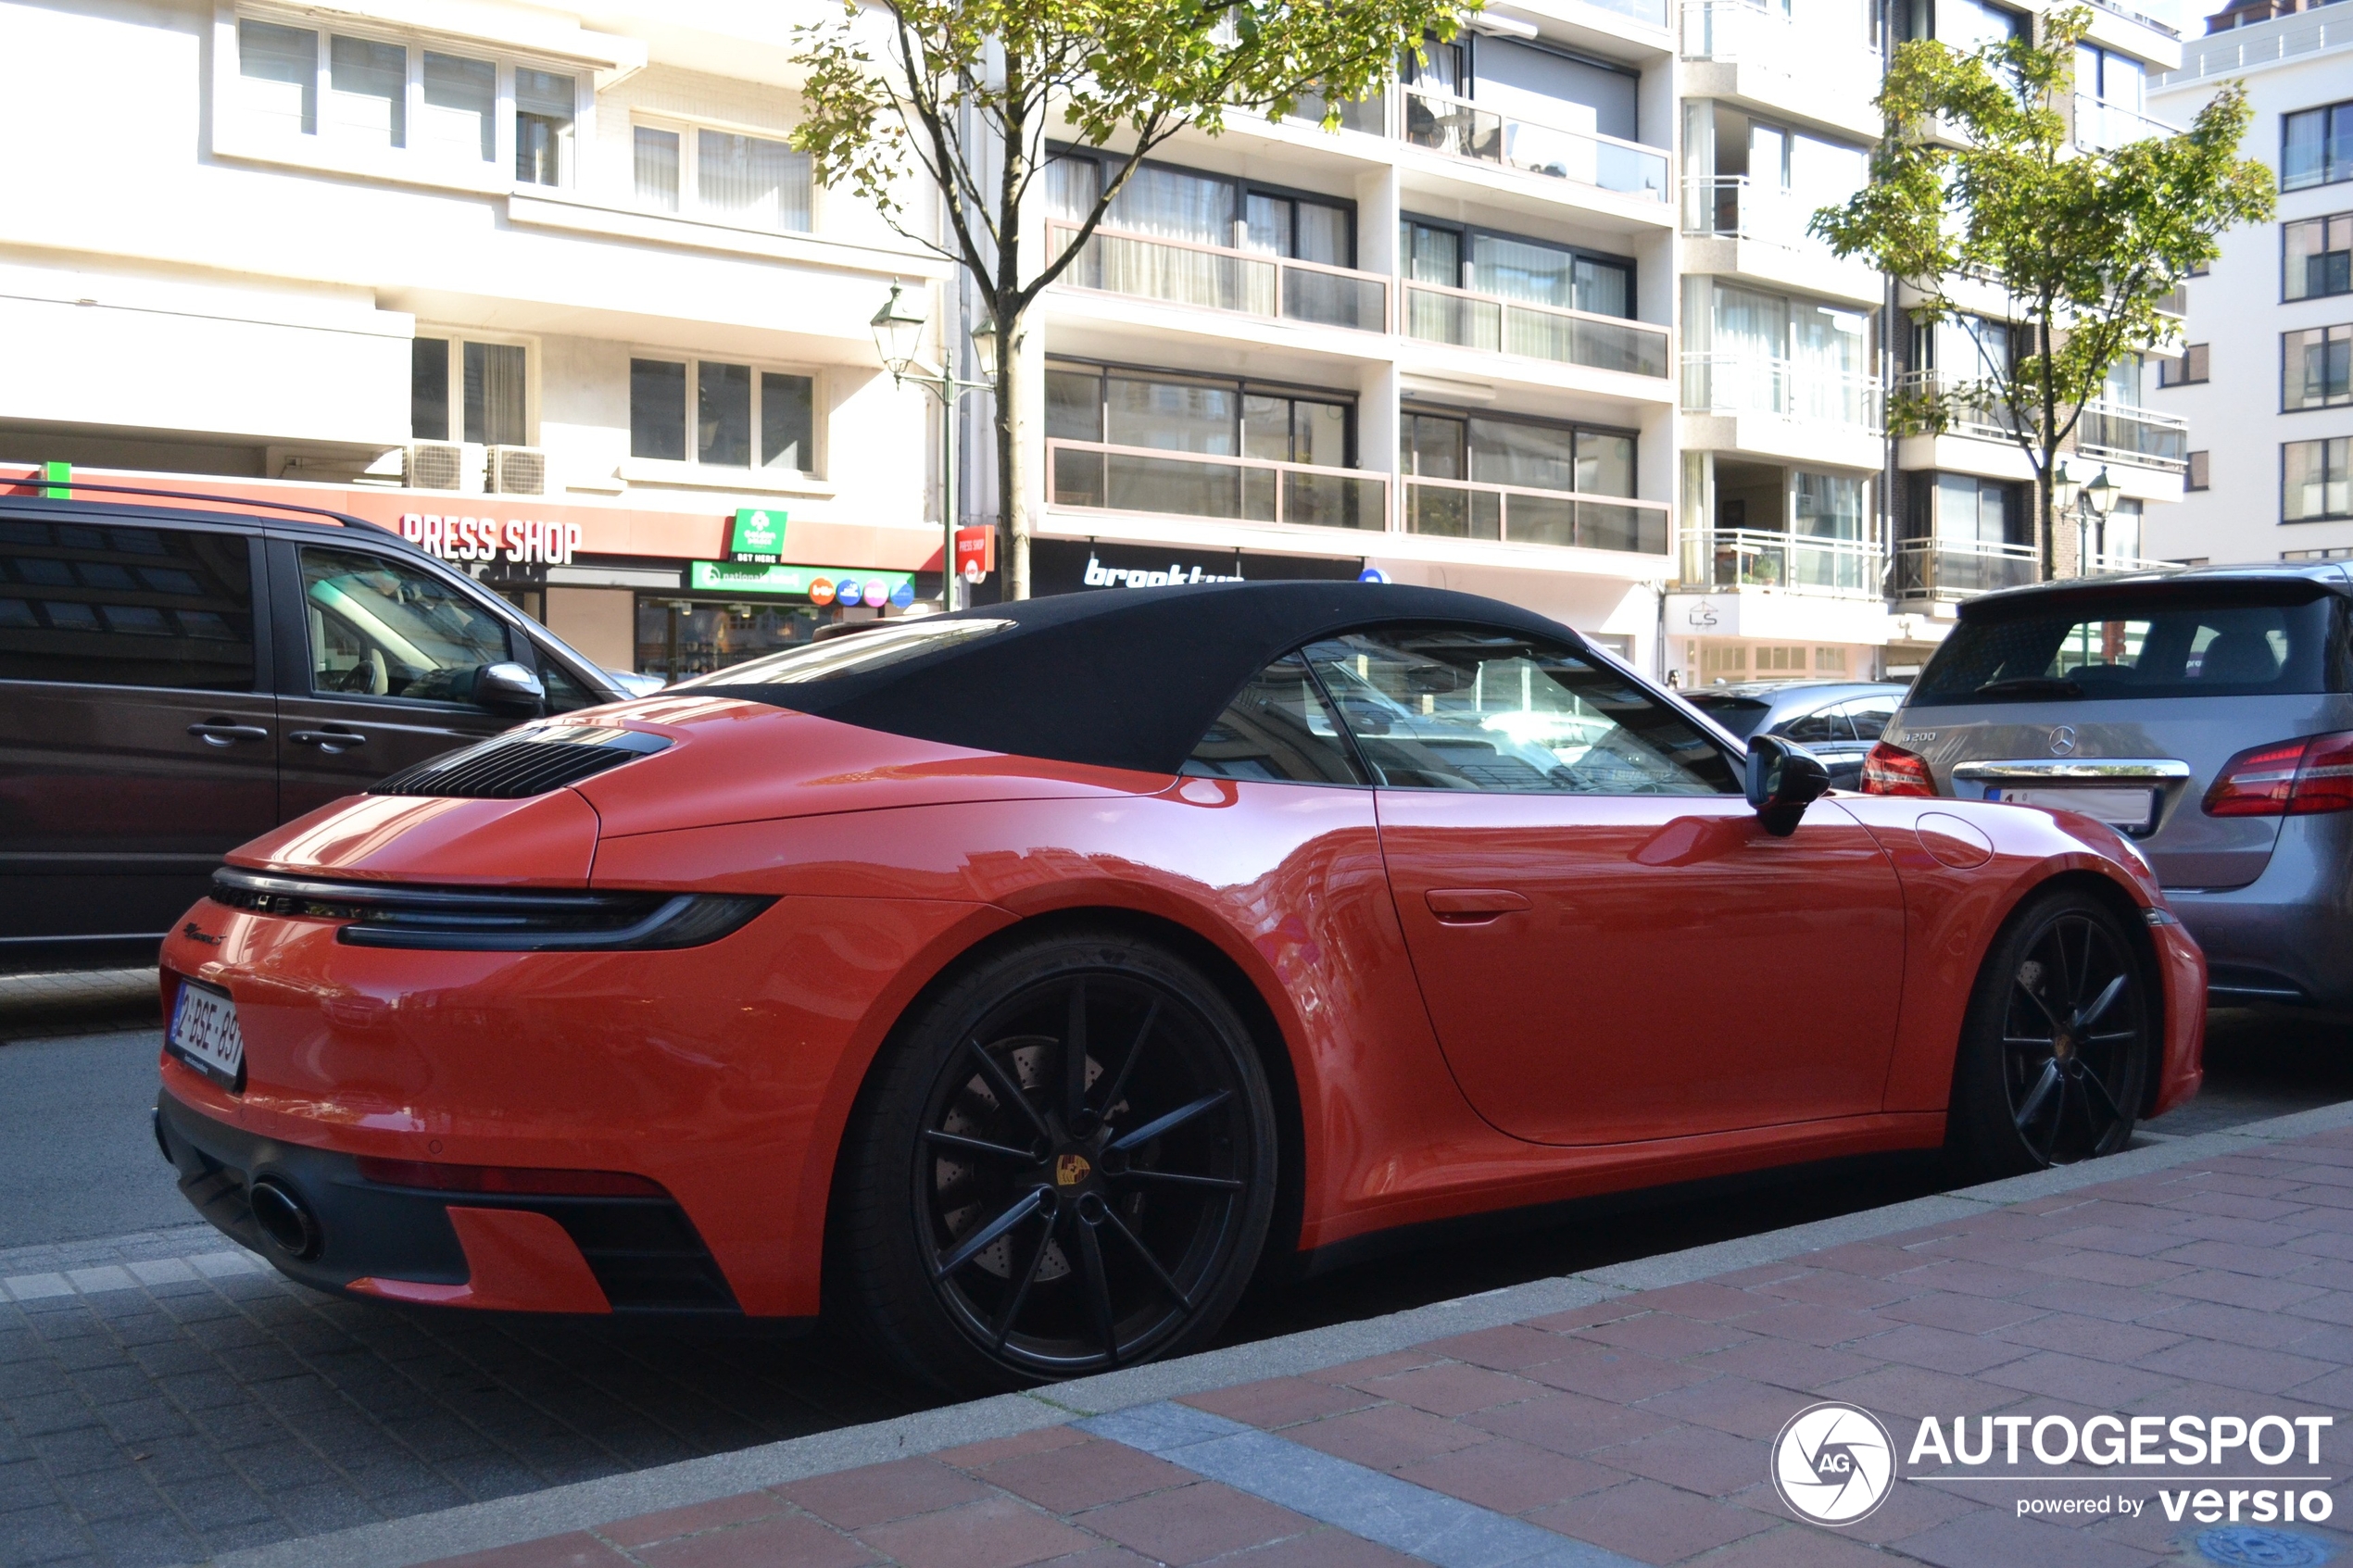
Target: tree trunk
{"points": [[1016, 453]]}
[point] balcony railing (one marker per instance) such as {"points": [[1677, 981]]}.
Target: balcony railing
{"points": [[1733, 384], [1761, 35], [1651, 11], [2102, 565], [1447, 124], [1147, 479], [1728, 206], [1750, 557], [1956, 568], [1986, 420], [1216, 278], [2102, 127], [1437, 314], [1455, 508], [2140, 436]]}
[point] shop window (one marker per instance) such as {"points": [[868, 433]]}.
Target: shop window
{"points": [[2316, 146], [678, 637], [724, 414], [485, 386], [1830, 662], [722, 176], [2316, 256], [2316, 368], [2316, 480]]}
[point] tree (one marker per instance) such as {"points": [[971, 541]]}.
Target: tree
{"points": [[967, 91], [1979, 182]]}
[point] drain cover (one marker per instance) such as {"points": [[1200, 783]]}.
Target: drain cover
{"points": [[2245, 1546]]}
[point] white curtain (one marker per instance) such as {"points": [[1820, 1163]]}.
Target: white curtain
{"points": [[461, 96], [762, 181]]}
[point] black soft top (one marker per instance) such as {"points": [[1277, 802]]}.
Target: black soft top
{"points": [[1128, 678]]}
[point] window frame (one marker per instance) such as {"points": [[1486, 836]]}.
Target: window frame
{"points": [[1244, 188], [1408, 408], [1243, 388], [2328, 113], [2324, 220], [238, 132], [1465, 232], [305, 657], [692, 467], [2332, 332], [2324, 442], [457, 338], [690, 209]]}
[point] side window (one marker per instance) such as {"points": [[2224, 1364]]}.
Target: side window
{"points": [[1871, 716], [126, 606], [1465, 708], [382, 629], [1279, 729], [1814, 729], [564, 693]]}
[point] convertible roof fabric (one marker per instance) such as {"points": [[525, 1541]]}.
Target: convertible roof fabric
{"points": [[1128, 678]]}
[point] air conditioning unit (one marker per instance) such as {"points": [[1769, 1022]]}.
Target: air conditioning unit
{"points": [[518, 470], [440, 465]]}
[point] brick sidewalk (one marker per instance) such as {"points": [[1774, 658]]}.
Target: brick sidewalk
{"points": [[1637, 1429]]}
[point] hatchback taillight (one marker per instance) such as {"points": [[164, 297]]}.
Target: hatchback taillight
{"points": [[2289, 778], [1891, 770]]}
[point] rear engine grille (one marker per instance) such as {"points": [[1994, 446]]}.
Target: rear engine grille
{"points": [[492, 919], [527, 762]]}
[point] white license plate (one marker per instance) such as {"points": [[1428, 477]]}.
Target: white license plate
{"points": [[204, 1032], [2134, 807]]}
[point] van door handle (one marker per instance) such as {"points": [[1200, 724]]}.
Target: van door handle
{"points": [[329, 741], [1473, 906], [226, 732]]}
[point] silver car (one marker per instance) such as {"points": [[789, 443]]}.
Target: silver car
{"points": [[2206, 714]]}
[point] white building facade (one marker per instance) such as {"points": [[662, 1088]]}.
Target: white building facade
{"points": [[2264, 380]]}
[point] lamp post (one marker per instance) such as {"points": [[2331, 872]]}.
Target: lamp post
{"points": [[2066, 501], [898, 337], [2102, 493]]}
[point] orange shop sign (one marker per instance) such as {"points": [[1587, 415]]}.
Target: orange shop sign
{"points": [[517, 541]]}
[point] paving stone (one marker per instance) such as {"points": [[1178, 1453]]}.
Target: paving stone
{"points": [[794, 1538], [1389, 1436], [1650, 1522], [1090, 1475], [1452, 1388], [1280, 1402], [996, 1533], [1195, 1524], [1509, 1477]]}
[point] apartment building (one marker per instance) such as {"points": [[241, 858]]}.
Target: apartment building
{"points": [[2264, 378], [1540, 321]]}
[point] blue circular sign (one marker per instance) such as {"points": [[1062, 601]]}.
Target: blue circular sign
{"points": [[1372, 574], [848, 591], [903, 595]]}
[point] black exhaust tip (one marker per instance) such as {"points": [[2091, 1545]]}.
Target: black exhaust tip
{"points": [[163, 1143], [284, 1218]]}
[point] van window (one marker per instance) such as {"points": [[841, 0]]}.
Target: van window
{"points": [[378, 629], [2222, 640], [110, 605]]}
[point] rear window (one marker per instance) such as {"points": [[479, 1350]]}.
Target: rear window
{"points": [[2227, 643], [1741, 715]]}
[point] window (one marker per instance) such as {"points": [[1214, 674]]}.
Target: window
{"points": [[1514, 266], [126, 606], [442, 106], [1963, 349], [742, 415], [1962, 508], [1471, 709], [2109, 77], [2316, 146], [486, 385], [725, 177], [382, 629], [1278, 730], [2314, 367], [1207, 209], [657, 153], [1964, 24], [2198, 474], [2316, 480], [2316, 256], [2135, 644], [2187, 371], [1523, 452]]}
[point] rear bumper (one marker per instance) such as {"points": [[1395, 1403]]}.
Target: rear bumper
{"points": [[2287, 936], [500, 1252]]}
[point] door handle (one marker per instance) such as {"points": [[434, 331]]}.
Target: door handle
{"points": [[1473, 906], [226, 732], [330, 741]]}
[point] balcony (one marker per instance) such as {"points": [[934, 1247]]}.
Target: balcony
{"points": [[1490, 322], [1734, 31], [2143, 437], [1444, 123], [1728, 206], [1958, 569], [1971, 417], [2101, 565], [1651, 13], [1723, 559], [1733, 384], [1455, 508], [1242, 282], [1143, 479], [2102, 127]]}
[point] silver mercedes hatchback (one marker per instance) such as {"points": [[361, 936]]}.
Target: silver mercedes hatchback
{"points": [[2206, 714]]}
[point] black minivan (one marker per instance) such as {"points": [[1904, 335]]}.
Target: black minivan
{"points": [[176, 679]]}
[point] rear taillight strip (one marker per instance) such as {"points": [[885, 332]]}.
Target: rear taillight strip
{"points": [[2292, 778]]}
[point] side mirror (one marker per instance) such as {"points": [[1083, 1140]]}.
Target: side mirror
{"points": [[507, 685], [1784, 779]]}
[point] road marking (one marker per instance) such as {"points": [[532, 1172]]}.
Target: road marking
{"points": [[1398, 1515]]}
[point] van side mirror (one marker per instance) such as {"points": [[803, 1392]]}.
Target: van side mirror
{"points": [[507, 685], [1784, 779]]}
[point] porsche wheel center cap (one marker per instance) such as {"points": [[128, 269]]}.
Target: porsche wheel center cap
{"points": [[1072, 1168]]}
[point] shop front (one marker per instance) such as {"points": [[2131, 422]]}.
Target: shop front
{"points": [[1071, 566]]}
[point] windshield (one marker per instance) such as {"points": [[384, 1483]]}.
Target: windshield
{"points": [[2225, 643], [855, 654]]}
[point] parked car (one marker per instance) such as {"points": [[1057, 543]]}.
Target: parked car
{"points": [[1022, 982], [1837, 720], [176, 678], [2207, 715]]}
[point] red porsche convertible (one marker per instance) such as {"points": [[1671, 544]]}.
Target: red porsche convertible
{"points": [[1019, 982]]}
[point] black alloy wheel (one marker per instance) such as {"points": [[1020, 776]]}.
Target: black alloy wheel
{"points": [[2060, 1039], [1085, 1165]]}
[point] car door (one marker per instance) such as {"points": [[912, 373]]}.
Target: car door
{"points": [[1611, 946], [380, 659], [137, 731]]}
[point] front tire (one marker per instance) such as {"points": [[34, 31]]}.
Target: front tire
{"points": [[2056, 1052], [1065, 1163]]}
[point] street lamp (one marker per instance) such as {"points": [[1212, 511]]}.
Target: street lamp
{"points": [[2103, 493], [899, 338]]}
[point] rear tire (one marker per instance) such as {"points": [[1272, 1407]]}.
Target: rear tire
{"points": [[1011, 1211], [2055, 1054]]}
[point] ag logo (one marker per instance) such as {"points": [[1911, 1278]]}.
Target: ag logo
{"points": [[1071, 1169], [1833, 1463]]}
